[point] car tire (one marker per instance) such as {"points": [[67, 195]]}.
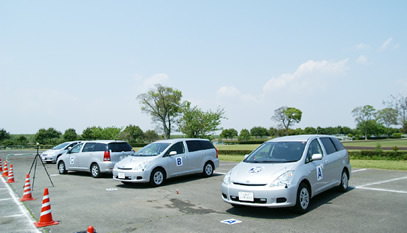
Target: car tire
{"points": [[157, 177], [207, 169], [344, 185], [62, 168], [303, 199], [95, 170]]}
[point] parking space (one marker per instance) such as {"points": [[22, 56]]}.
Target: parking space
{"points": [[376, 202]]}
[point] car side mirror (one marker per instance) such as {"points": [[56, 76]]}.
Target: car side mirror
{"points": [[172, 153], [245, 156], [316, 157]]}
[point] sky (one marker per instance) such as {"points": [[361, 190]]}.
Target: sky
{"points": [[78, 64]]}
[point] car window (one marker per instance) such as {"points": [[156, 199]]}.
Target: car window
{"points": [[193, 145], [119, 147], [76, 148], [152, 149], [338, 144], [277, 152], [329, 146], [89, 147], [206, 145], [100, 147], [60, 146], [178, 147], [314, 148]]}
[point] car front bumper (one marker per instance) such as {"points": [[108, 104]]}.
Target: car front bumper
{"points": [[131, 176], [263, 196]]}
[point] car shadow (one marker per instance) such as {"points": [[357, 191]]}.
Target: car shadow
{"points": [[168, 182], [87, 174], [324, 198]]}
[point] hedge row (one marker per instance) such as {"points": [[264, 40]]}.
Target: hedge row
{"points": [[378, 155], [234, 152]]}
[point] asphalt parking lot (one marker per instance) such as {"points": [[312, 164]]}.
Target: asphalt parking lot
{"points": [[375, 202]]}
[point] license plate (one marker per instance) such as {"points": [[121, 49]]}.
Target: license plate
{"points": [[246, 196], [121, 175]]}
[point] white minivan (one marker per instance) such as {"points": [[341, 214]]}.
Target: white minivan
{"points": [[167, 158]]}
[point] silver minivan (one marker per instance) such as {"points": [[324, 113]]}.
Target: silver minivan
{"points": [[95, 157], [167, 158], [52, 155], [288, 172]]}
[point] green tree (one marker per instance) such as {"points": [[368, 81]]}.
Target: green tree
{"points": [[4, 135], [111, 133], [363, 115], [70, 135], [287, 116], [92, 133], [132, 134], [388, 117], [259, 131], [21, 140], [228, 133], [310, 130], [196, 123], [399, 103], [244, 135], [41, 136], [151, 136], [164, 106]]}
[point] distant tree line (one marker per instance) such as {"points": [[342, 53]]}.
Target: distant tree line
{"points": [[170, 113]]}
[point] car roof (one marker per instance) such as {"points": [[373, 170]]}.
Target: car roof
{"points": [[179, 140], [102, 141], [298, 138]]}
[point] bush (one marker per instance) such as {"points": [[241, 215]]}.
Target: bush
{"points": [[375, 155], [397, 135]]}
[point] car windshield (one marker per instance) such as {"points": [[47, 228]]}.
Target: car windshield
{"points": [[61, 146], [152, 149], [277, 152]]}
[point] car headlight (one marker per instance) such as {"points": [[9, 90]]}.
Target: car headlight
{"points": [[226, 179], [284, 180], [140, 166]]}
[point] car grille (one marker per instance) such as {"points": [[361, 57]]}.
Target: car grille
{"points": [[124, 168], [237, 183], [256, 200]]}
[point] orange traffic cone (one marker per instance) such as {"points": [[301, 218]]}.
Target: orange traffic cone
{"points": [[5, 171], [91, 229], [46, 216], [27, 190], [11, 175], [1, 168]]}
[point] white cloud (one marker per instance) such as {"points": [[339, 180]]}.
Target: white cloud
{"points": [[362, 59], [144, 85], [311, 73], [362, 46], [232, 93], [385, 44]]}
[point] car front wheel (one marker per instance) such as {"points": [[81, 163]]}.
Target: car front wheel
{"points": [[157, 177], [303, 199], [61, 168]]}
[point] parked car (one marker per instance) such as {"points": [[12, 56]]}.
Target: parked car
{"points": [[52, 155], [164, 159], [288, 172], [95, 157]]}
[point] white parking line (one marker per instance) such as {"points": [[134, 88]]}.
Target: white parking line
{"points": [[220, 173], [382, 182], [23, 210], [359, 170], [383, 190]]}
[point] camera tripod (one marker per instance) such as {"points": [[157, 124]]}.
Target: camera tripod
{"points": [[37, 156]]}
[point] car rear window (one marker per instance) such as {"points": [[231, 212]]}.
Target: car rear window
{"points": [[92, 146], [329, 145], [195, 145], [119, 147], [338, 144]]}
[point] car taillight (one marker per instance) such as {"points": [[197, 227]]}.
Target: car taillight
{"points": [[216, 153], [106, 156]]}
